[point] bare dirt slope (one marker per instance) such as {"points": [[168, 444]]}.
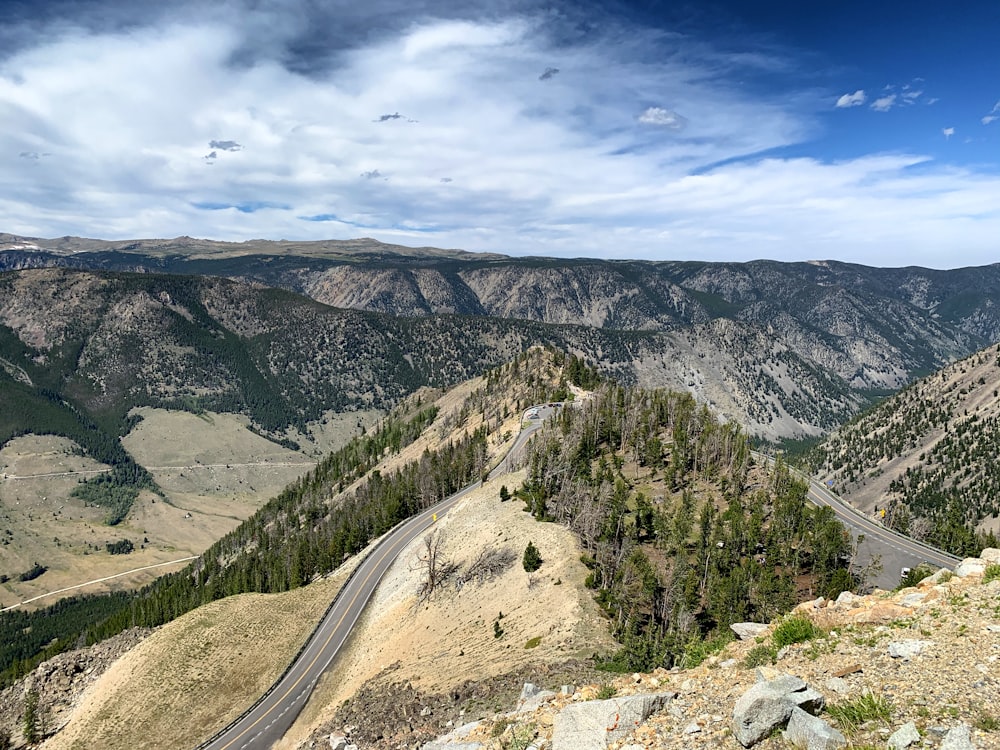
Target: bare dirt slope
{"points": [[195, 674], [548, 616]]}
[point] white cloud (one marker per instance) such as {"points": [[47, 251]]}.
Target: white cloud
{"points": [[489, 158], [993, 115], [948, 132], [884, 103], [663, 118], [852, 100]]}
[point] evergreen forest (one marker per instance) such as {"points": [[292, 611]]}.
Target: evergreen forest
{"points": [[683, 534]]}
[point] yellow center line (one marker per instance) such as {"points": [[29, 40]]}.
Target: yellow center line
{"points": [[432, 512], [330, 638]]}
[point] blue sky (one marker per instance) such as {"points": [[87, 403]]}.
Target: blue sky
{"points": [[866, 132]]}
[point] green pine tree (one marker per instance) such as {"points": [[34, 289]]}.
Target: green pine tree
{"points": [[532, 560]]}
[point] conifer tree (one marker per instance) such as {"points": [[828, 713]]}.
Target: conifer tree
{"points": [[532, 560]]}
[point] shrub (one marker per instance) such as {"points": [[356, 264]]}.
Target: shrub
{"points": [[607, 691], [121, 547], [696, 650], [992, 573], [914, 576], [500, 727], [532, 560], [533, 642], [986, 722], [30, 575], [760, 655], [795, 629], [520, 738]]}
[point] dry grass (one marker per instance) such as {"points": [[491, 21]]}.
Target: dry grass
{"points": [[450, 639], [209, 466], [196, 674]]}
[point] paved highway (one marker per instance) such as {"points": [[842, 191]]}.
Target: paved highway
{"points": [[895, 551], [264, 724]]}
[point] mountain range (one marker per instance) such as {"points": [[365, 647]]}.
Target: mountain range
{"points": [[787, 349]]}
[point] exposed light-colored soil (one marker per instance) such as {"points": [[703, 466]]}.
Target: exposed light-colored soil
{"points": [[450, 639], [196, 674]]}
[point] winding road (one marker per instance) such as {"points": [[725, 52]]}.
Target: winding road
{"points": [[895, 551], [264, 724], [268, 720]]}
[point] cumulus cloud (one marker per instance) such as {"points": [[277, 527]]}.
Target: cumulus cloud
{"points": [[663, 118], [852, 100], [948, 132], [558, 169], [884, 103]]}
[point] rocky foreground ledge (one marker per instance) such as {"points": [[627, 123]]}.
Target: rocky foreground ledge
{"points": [[916, 668]]}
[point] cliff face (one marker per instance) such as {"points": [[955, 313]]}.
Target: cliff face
{"points": [[282, 358]]}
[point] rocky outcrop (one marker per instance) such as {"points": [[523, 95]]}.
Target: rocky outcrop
{"points": [[747, 631], [60, 682], [908, 649], [807, 731], [902, 738], [958, 738], [595, 724], [769, 704]]}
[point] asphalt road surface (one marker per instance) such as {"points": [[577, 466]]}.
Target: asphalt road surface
{"points": [[271, 717], [894, 551]]}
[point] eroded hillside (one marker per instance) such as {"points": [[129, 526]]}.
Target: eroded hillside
{"points": [[924, 460], [106, 343]]}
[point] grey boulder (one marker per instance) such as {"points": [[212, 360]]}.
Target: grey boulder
{"points": [[809, 732], [768, 705]]}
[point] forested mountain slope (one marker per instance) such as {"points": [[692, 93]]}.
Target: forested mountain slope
{"points": [[925, 459], [680, 533], [872, 327], [103, 342], [684, 535], [425, 450]]}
